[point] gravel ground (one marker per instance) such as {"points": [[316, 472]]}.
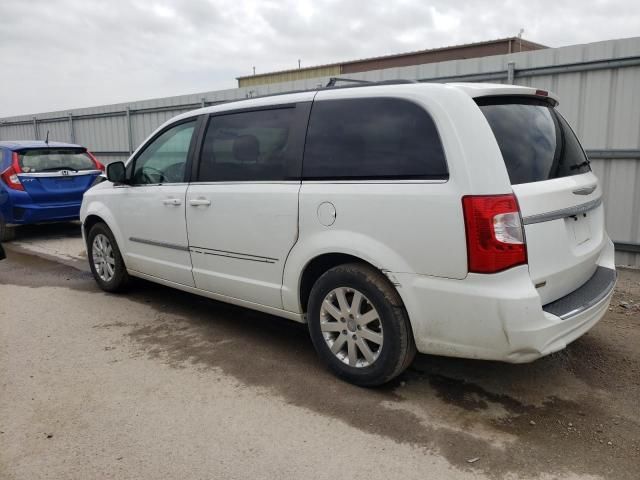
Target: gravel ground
{"points": [[162, 384]]}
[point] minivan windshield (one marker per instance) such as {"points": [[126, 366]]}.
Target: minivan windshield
{"points": [[53, 159], [536, 142]]}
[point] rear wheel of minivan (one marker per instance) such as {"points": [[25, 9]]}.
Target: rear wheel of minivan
{"points": [[359, 326], [105, 259]]}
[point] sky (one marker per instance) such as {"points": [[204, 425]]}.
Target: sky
{"points": [[64, 54]]}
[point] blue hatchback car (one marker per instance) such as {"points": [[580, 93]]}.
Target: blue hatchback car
{"points": [[42, 182]]}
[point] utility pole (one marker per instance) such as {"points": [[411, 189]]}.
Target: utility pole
{"points": [[520, 37]]}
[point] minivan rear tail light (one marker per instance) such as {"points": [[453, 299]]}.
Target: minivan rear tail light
{"points": [[10, 175], [495, 237], [98, 164]]}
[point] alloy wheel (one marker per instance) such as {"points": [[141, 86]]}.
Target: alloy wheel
{"points": [[351, 327], [103, 258]]}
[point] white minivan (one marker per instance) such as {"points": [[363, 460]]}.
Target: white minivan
{"points": [[451, 219]]}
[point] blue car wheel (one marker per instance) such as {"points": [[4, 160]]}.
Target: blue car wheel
{"points": [[6, 233]]}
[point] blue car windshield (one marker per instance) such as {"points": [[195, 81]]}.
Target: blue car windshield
{"points": [[52, 159]]}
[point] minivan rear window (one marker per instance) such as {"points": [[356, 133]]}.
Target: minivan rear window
{"points": [[536, 142], [54, 159], [372, 138]]}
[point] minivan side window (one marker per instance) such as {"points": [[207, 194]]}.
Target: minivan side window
{"points": [[257, 145], [164, 159], [372, 138]]}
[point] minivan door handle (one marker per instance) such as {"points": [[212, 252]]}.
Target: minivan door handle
{"points": [[199, 202], [172, 201]]}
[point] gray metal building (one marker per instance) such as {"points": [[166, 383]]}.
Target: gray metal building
{"points": [[598, 85]]}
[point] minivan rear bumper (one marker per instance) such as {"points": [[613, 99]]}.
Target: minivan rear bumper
{"points": [[560, 331], [500, 316]]}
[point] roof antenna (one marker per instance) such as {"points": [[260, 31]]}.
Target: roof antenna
{"points": [[47, 139]]}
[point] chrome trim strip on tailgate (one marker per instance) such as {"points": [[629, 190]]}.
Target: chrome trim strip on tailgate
{"points": [[60, 173], [564, 213], [585, 190], [592, 292], [159, 244]]}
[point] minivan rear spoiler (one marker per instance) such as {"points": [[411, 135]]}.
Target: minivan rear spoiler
{"points": [[517, 99], [479, 90]]}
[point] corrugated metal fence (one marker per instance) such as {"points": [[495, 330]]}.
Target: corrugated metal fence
{"points": [[598, 85]]}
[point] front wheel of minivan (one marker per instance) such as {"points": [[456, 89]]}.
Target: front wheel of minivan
{"points": [[105, 259], [359, 326]]}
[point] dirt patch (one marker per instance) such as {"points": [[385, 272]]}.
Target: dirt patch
{"points": [[575, 411], [24, 269], [554, 416]]}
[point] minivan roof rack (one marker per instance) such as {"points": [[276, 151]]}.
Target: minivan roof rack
{"points": [[330, 85], [333, 80]]}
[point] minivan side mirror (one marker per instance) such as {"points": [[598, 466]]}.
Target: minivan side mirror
{"points": [[117, 173]]}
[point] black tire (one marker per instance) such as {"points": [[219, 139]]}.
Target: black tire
{"points": [[6, 233], [398, 347], [120, 279]]}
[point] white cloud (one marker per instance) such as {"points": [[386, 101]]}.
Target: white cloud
{"points": [[71, 53]]}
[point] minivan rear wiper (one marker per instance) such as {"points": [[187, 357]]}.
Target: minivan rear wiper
{"points": [[576, 166], [54, 169]]}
